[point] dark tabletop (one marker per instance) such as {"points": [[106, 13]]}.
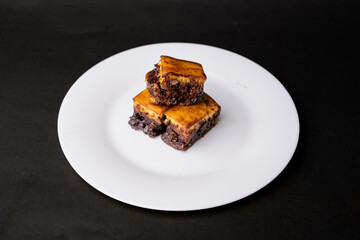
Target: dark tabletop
{"points": [[310, 46]]}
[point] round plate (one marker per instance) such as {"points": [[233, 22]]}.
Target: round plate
{"points": [[253, 141]]}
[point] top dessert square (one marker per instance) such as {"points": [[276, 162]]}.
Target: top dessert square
{"points": [[181, 70], [176, 82]]}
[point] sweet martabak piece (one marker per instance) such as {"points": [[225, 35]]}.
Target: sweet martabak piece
{"points": [[147, 117], [186, 124], [175, 82]]}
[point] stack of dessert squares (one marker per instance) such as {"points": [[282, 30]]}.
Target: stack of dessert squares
{"points": [[174, 104]]}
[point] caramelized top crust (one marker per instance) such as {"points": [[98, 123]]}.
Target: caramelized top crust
{"points": [[142, 103], [180, 70], [189, 118]]}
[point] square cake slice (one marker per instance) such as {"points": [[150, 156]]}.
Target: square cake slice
{"points": [[147, 117], [186, 124], [175, 82]]}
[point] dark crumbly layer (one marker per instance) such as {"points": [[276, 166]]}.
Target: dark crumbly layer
{"points": [[180, 94], [182, 142], [140, 121]]}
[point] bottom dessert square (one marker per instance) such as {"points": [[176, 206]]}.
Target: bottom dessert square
{"points": [[187, 124], [147, 117], [179, 126]]}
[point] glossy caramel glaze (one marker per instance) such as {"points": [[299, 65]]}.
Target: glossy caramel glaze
{"points": [[180, 70]]}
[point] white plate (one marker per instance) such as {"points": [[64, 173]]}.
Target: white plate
{"points": [[254, 140]]}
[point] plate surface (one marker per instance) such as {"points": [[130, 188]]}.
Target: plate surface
{"points": [[254, 139]]}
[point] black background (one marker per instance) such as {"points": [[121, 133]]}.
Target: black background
{"points": [[310, 46]]}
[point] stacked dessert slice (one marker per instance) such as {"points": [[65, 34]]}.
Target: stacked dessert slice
{"points": [[175, 82], [174, 104]]}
